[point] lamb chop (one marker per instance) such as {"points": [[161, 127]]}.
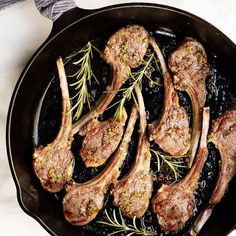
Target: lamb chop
{"points": [[82, 202], [54, 163], [223, 135], [133, 192], [174, 204], [101, 140], [189, 65], [124, 50], [171, 132]]}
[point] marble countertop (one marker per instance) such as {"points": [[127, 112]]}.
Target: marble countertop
{"points": [[22, 31]]}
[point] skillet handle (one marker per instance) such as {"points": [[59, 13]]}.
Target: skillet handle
{"points": [[61, 12], [68, 18]]}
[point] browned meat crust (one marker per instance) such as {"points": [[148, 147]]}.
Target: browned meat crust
{"points": [[54, 163], [101, 140], [174, 204], [171, 132], [82, 202], [133, 192], [127, 46], [124, 50], [189, 64], [223, 135]]}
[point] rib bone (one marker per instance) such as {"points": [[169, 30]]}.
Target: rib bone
{"points": [[189, 65], [82, 202], [174, 204], [54, 163], [171, 132], [133, 192], [223, 135]]}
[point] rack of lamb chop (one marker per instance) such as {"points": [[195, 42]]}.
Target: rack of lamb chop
{"points": [[124, 50], [189, 65], [133, 192], [171, 132], [54, 163], [101, 140], [82, 202], [174, 203], [223, 135]]}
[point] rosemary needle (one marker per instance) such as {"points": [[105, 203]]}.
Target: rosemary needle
{"points": [[136, 78], [83, 77], [120, 225], [175, 164]]}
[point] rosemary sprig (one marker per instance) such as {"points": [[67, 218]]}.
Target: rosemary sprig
{"points": [[83, 76], [175, 164], [136, 78], [121, 227]]}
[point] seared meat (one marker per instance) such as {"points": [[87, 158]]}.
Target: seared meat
{"points": [[133, 192], [171, 132], [127, 46], [124, 50], [101, 140], [82, 202], [54, 163], [223, 135], [189, 65], [174, 204]]}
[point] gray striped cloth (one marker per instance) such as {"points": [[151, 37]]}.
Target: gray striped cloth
{"points": [[54, 8], [6, 3], [49, 8]]}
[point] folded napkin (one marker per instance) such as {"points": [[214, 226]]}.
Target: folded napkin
{"points": [[54, 8], [5, 3], [49, 8]]}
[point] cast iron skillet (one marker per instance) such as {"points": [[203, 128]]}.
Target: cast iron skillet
{"points": [[75, 28]]}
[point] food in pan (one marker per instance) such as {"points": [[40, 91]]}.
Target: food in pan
{"points": [[171, 132], [124, 50], [189, 64], [151, 174], [118, 55], [101, 140], [82, 202], [132, 193], [223, 135], [54, 163], [174, 204]]}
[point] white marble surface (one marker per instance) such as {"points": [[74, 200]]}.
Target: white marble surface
{"points": [[22, 30]]}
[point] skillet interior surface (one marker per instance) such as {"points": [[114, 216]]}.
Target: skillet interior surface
{"points": [[37, 84]]}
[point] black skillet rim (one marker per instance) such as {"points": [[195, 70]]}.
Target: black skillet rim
{"points": [[47, 41]]}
